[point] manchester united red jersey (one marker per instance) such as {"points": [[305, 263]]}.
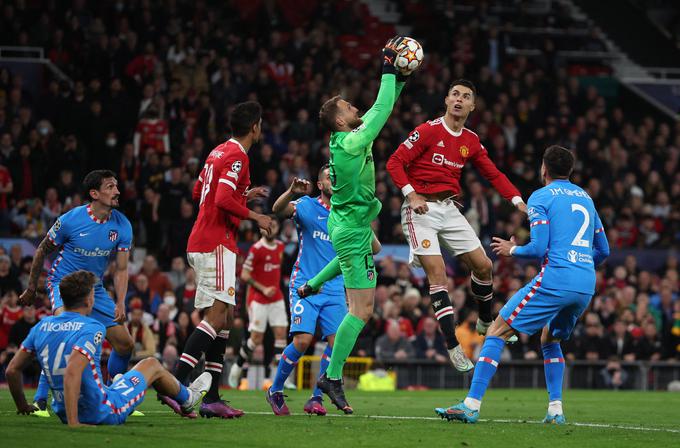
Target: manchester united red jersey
{"points": [[227, 166], [151, 134], [432, 158], [264, 264]]}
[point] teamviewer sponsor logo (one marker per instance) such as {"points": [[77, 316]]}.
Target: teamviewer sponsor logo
{"points": [[438, 159]]}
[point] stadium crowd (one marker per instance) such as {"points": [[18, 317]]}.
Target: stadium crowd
{"points": [[153, 85]]}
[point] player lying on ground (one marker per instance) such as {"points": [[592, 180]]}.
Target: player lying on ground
{"points": [[329, 307], [353, 207], [566, 232], [88, 235], [69, 348], [221, 191], [427, 167], [262, 273]]}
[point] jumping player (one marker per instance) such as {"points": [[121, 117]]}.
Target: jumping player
{"points": [[222, 191], [68, 348], [88, 235], [566, 232], [262, 273], [427, 168], [353, 207], [329, 307]]}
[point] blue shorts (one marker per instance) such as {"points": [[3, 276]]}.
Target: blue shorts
{"points": [[327, 310], [533, 307], [122, 398], [104, 309]]}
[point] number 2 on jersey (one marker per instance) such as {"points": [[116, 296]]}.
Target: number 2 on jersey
{"points": [[207, 179], [578, 239]]}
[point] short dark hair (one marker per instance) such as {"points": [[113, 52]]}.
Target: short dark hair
{"points": [[558, 161], [244, 116], [93, 180], [324, 167], [464, 83], [329, 112], [75, 287]]}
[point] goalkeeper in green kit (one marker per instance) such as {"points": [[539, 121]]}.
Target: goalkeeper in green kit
{"points": [[353, 207]]}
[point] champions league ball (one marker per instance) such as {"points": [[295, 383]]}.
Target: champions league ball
{"points": [[410, 55]]}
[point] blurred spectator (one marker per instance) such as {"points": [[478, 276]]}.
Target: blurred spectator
{"points": [[8, 280], [392, 345], [430, 344], [164, 329], [145, 345], [613, 376], [20, 329], [591, 345]]}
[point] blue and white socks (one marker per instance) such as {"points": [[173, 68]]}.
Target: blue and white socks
{"points": [[325, 360], [484, 371], [553, 364], [289, 359]]}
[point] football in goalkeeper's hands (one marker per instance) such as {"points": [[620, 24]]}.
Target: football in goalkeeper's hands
{"points": [[410, 56]]}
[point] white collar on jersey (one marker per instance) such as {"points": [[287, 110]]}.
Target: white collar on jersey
{"points": [[263, 240], [233, 140], [450, 131]]}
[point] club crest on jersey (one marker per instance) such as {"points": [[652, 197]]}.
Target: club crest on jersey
{"points": [[464, 151], [426, 244], [297, 320], [98, 338], [370, 274], [414, 137], [113, 235], [231, 291], [236, 166]]}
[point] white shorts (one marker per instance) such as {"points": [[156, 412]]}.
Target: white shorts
{"points": [[215, 276], [442, 226], [261, 314]]}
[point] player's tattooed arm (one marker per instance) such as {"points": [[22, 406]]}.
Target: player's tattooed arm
{"points": [[45, 248], [283, 207]]}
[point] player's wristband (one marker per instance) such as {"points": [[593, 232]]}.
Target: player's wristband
{"points": [[516, 200], [512, 250], [407, 189]]}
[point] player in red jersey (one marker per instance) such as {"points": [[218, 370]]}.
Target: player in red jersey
{"points": [[427, 167], [222, 191], [262, 272]]}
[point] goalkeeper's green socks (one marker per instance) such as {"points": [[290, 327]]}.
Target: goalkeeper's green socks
{"points": [[345, 338], [331, 271]]}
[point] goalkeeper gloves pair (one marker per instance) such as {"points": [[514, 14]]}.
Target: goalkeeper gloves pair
{"points": [[389, 56]]}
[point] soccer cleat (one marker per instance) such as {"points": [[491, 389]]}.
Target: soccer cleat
{"points": [[219, 409], [483, 327], [458, 412], [277, 402], [333, 388], [459, 360], [42, 411], [314, 406], [306, 291], [176, 408], [197, 390], [557, 419], [234, 376]]}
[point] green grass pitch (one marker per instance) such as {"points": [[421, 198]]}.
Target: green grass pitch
{"points": [[396, 419]]}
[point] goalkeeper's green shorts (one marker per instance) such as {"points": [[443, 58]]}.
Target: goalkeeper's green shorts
{"points": [[353, 247]]}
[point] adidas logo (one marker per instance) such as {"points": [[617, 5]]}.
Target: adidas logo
{"points": [[440, 144]]}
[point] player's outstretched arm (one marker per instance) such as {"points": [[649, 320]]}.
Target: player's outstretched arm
{"points": [[540, 236], [500, 181], [376, 117], [14, 373], [283, 207], [72, 382], [45, 248]]}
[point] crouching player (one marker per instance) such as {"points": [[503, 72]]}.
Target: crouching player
{"points": [[566, 232], [68, 348]]}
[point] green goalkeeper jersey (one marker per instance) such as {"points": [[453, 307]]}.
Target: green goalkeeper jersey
{"points": [[352, 171]]}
